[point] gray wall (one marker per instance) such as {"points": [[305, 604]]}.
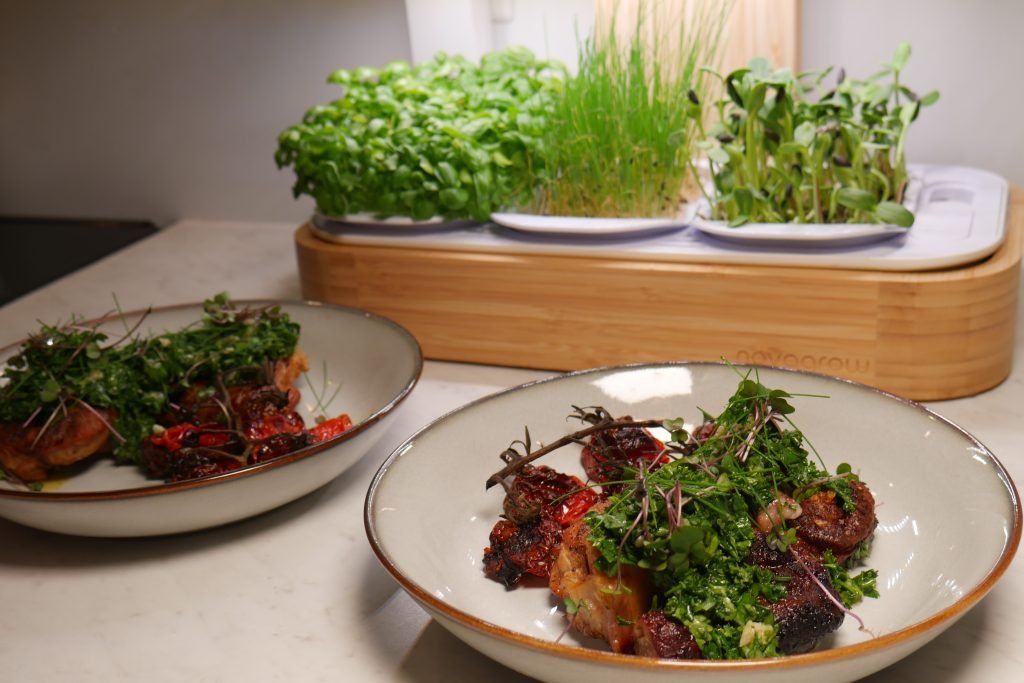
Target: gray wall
{"points": [[972, 52], [163, 109]]}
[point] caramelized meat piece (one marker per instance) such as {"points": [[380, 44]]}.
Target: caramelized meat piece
{"points": [[805, 614], [288, 370], [563, 497], [663, 637], [31, 453], [609, 453], [539, 504], [516, 550], [826, 525], [606, 608]]}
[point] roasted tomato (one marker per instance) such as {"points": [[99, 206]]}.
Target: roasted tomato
{"points": [[277, 423], [608, 454], [278, 445], [561, 497], [328, 429], [516, 550]]}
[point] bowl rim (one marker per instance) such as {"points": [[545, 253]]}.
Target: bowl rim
{"points": [[897, 638], [245, 471]]}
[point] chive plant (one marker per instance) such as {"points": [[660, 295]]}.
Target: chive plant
{"points": [[619, 139], [784, 149]]}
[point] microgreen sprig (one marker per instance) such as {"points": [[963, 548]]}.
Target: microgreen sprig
{"points": [[783, 151], [690, 521], [133, 376], [321, 400]]}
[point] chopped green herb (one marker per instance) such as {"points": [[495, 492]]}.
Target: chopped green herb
{"points": [[691, 524], [76, 363]]}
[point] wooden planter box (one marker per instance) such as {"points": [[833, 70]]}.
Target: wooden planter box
{"points": [[923, 335]]}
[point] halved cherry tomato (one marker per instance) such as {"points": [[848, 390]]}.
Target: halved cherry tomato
{"points": [[172, 437], [570, 509], [278, 423], [328, 429]]}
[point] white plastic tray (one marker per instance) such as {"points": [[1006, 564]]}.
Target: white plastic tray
{"points": [[960, 219]]}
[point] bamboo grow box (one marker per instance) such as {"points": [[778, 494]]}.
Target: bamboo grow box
{"points": [[924, 335]]}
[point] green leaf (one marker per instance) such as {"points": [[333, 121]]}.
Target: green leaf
{"points": [[733, 91], [900, 58], [892, 213], [790, 149], [677, 428], [777, 400], [482, 184], [685, 537], [50, 391], [929, 99], [857, 198], [756, 97], [805, 134], [909, 112], [744, 200], [454, 198], [340, 77], [718, 155], [760, 67], [424, 209], [447, 175]]}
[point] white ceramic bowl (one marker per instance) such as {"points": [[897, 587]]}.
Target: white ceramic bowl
{"points": [[949, 519], [376, 363]]}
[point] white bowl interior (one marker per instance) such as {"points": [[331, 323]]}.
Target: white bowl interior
{"points": [[367, 363], [947, 513], [366, 359]]}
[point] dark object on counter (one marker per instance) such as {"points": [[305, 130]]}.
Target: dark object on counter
{"points": [[36, 251]]}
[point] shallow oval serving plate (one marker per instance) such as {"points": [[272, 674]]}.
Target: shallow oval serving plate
{"points": [[583, 225], [799, 234], [372, 362], [810, 235], [938, 550], [338, 228], [368, 220]]}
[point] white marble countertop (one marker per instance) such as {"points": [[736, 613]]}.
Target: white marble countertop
{"points": [[296, 594]]}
